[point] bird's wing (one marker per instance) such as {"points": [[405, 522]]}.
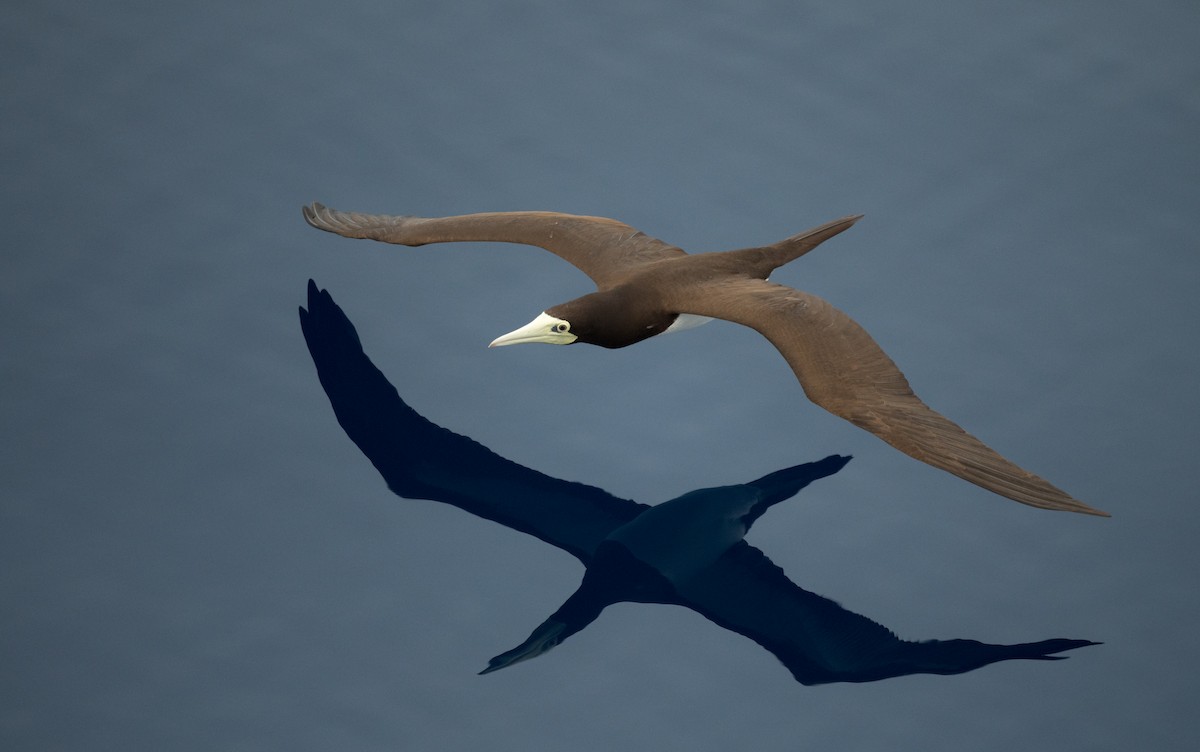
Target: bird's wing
{"points": [[421, 460], [604, 249], [843, 370], [821, 642]]}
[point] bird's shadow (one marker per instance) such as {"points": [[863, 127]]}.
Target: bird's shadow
{"points": [[736, 586]]}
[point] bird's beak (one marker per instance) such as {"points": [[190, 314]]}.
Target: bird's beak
{"points": [[545, 328]]}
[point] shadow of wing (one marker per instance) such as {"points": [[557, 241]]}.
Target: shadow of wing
{"points": [[421, 460], [821, 642]]}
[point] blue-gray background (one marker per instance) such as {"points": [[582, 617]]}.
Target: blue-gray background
{"points": [[193, 556]]}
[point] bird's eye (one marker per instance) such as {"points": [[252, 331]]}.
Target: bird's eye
{"points": [[562, 327]]}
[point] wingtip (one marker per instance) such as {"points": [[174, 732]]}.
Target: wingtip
{"points": [[312, 212], [832, 464], [1061, 503], [1072, 504], [1053, 647], [312, 294]]}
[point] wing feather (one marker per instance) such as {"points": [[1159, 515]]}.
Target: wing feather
{"points": [[842, 369], [604, 249]]}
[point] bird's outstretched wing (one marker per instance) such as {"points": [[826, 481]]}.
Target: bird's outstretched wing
{"points": [[821, 642], [843, 370], [421, 460], [604, 249]]}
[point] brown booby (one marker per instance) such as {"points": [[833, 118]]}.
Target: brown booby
{"points": [[645, 286], [688, 551]]}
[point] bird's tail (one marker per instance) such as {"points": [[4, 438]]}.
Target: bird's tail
{"points": [[782, 485], [766, 259]]}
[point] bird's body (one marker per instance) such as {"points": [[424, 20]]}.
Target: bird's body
{"points": [[682, 536], [644, 285]]}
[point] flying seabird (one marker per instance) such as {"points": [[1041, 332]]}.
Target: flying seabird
{"points": [[645, 286], [688, 551]]}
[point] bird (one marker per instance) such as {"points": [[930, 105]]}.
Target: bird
{"points": [[689, 551], [647, 287]]}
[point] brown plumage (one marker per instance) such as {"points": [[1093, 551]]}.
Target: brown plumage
{"points": [[644, 284]]}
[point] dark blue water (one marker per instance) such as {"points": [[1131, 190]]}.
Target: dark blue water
{"points": [[196, 557]]}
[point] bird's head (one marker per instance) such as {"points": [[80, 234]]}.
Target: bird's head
{"points": [[545, 328], [586, 319], [608, 319]]}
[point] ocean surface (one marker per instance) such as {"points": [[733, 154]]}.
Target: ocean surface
{"points": [[193, 556]]}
